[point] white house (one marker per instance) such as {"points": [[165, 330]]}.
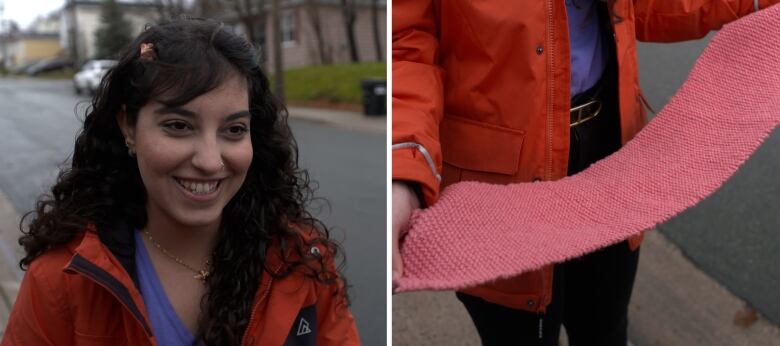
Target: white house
{"points": [[81, 18]]}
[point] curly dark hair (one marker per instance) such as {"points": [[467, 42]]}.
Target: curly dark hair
{"points": [[103, 183]]}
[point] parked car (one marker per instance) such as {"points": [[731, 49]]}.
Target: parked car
{"points": [[47, 65], [19, 70], [88, 79]]}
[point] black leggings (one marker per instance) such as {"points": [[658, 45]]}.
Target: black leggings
{"points": [[590, 297]]}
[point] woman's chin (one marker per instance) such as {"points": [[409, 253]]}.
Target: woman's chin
{"points": [[199, 219]]}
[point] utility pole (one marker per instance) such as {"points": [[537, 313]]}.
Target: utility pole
{"points": [[277, 42], [73, 32], [375, 25], [5, 37]]}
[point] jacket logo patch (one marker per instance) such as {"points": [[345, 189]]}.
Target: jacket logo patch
{"points": [[303, 327]]}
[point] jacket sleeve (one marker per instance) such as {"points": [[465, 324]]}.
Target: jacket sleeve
{"points": [[417, 96], [335, 324], [39, 315], [680, 20]]}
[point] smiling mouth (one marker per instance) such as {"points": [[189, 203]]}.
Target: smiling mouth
{"points": [[199, 187]]}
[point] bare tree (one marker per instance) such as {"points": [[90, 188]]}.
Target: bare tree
{"points": [[277, 42], [349, 15], [73, 32], [252, 15], [312, 10], [205, 8], [375, 24], [167, 9]]}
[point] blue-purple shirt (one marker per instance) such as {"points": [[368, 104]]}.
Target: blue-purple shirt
{"points": [[166, 324], [586, 43]]}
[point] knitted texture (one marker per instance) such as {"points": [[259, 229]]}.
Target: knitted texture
{"points": [[730, 103]]}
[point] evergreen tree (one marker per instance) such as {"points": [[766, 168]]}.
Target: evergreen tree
{"points": [[114, 31]]}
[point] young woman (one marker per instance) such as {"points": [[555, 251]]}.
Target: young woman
{"points": [[529, 91], [181, 220]]}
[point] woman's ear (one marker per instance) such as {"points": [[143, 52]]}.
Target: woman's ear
{"points": [[127, 131]]}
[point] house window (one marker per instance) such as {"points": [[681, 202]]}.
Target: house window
{"points": [[289, 33]]}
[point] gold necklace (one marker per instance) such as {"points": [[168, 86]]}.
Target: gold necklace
{"points": [[199, 274]]}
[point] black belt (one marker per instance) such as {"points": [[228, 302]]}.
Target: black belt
{"points": [[586, 105]]}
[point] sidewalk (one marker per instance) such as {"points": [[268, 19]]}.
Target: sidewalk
{"points": [[343, 119], [10, 253], [673, 304]]}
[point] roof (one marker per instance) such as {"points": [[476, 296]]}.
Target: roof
{"points": [[29, 36], [37, 35], [100, 2]]}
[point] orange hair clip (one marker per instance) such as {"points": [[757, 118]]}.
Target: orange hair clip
{"points": [[147, 51]]}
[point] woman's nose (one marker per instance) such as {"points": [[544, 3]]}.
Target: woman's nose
{"points": [[208, 156]]}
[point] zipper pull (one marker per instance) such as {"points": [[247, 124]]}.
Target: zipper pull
{"points": [[541, 326]]}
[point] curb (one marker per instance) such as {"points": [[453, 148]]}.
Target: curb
{"points": [[10, 274], [342, 119]]}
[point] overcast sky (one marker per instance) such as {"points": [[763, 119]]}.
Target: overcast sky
{"points": [[24, 11]]}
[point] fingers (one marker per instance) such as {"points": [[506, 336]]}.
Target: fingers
{"points": [[403, 203], [398, 266], [400, 218]]}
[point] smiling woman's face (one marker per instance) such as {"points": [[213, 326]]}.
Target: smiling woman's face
{"points": [[193, 158]]}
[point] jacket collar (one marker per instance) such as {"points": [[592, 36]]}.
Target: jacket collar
{"points": [[113, 252], [93, 260], [121, 242]]}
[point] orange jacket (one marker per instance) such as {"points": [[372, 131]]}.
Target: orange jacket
{"points": [[80, 294], [481, 92]]}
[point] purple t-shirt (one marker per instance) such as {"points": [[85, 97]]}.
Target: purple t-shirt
{"points": [[166, 324], [586, 43]]}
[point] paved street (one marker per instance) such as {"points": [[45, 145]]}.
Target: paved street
{"points": [[37, 129], [733, 235]]}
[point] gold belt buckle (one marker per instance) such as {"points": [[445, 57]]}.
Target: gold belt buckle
{"points": [[579, 109]]}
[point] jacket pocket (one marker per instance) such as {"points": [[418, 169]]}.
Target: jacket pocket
{"points": [[479, 151]]}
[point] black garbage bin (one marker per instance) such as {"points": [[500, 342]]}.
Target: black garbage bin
{"points": [[374, 96]]}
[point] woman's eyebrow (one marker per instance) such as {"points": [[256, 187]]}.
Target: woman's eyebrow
{"points": [[191, 114], [175, 110], [238, 115]]}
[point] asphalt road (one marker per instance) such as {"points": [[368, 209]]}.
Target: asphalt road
{"points": [[37, 129], [733, 236]]}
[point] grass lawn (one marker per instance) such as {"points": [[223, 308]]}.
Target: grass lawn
{"points": [[327, 85], [330, 84]]}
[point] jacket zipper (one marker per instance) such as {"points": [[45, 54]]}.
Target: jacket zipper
{"points": [[254, 308], [84, 267], [551, 87], [541, 326]]}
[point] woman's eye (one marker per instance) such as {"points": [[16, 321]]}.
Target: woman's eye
{"points": [[237, 130], [176, 126]]}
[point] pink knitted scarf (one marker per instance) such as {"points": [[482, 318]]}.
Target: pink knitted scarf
{"points": [[730, 103]]}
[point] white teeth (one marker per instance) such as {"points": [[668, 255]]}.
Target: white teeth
{"points": [[198, 188]]}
